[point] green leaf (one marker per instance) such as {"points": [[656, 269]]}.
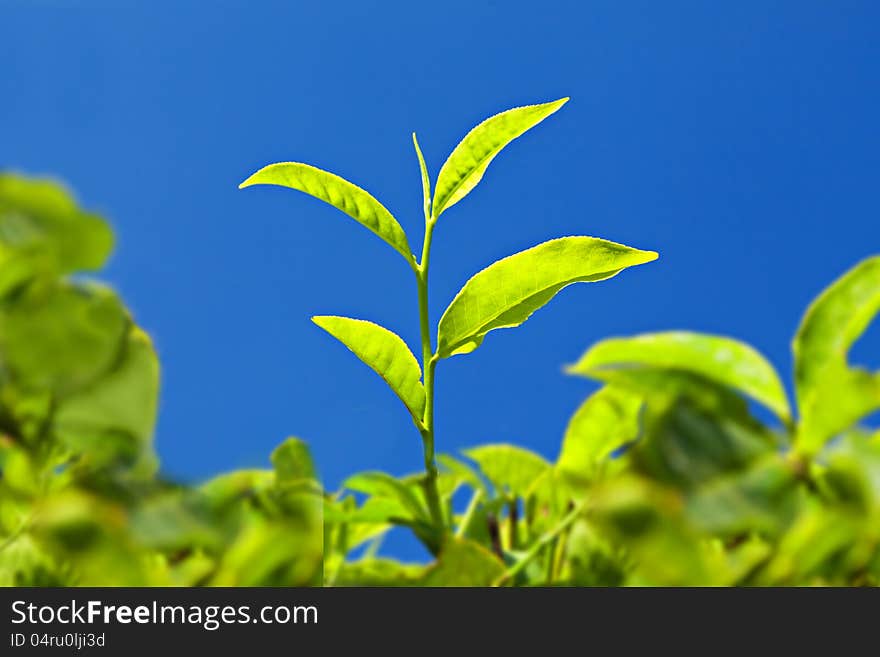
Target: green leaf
{"points": [[426, 180], [757, 500], [832, 395], [383, 485], [686, 447], [463, 563], [466, 165], [508, 291], [606, 421], [646, 520], [292, 461], [512, 470], [121, 404], [338, 192], [61, 338], [43, 232], [378, 572], [722, 360], [385, 353]]}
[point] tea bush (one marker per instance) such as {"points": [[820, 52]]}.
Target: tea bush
{"points": [[665, 474]]}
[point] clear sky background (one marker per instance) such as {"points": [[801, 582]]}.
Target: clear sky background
{"points": [[738, 139]]}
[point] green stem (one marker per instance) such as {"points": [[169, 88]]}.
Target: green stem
{"points": [[547, 539], [429, 363]]}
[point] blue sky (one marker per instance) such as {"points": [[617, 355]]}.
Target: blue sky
{"points": [[740, 140]]}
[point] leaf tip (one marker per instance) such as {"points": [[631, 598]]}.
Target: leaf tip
{"points": [[247, 182]]}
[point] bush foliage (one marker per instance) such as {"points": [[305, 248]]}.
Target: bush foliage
{"points": [[687, 465]]}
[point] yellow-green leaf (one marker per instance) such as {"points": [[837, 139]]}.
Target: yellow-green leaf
{"points": [[507, 292], [338, 192], [466, 165], [385, 353], [832, 395], [426, 180], [722, 360]]}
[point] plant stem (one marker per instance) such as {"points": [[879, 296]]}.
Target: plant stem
{"points": [[429, 363], [548, 538]]}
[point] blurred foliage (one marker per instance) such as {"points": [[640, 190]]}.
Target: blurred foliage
{"points": [[81, 501], [665, 475]]}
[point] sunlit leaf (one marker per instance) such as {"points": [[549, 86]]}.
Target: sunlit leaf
{"points": [[467, 163], [507, 292], [723, 360], [831, 394], [426, 180], [338, 192], [385, 353]]}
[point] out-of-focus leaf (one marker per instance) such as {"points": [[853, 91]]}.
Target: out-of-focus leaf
{"points": [[685, 447], [507, 292], [590, 559], [760, 499], [852, 475], [271, 554], [645, 520], [607, 420], [23, 562], [463, 563], [226, 490], [809, 550], [385, 353], [44, 233], [292, 461], [831, 395], [118, 410], [460, 472], [722, 360], [338, 192], [467, 163], [378, 572], [512, 470], [380, 484], [61, 338]]}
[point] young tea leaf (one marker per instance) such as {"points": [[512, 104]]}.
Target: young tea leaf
{"points": [[831, 395], [338, 192], [466, 165], [506, 293], [385, 353], [722, 360], [426, 180]]}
